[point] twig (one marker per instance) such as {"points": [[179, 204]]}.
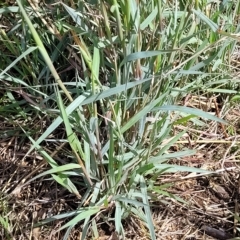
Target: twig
{"points": [[227, 151], [218, 115], [191, 175]]}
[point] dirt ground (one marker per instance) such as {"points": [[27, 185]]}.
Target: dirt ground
{"points": [[212, 201]]}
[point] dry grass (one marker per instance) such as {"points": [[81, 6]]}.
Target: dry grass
{"points": [[212, 200]]}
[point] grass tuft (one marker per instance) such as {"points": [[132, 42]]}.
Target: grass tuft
{"points": [[98, 89]]}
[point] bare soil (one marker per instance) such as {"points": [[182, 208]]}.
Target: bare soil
{"points": [[212, 201]]}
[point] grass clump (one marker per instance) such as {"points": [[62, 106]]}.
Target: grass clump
{"points": [[110, 75]]}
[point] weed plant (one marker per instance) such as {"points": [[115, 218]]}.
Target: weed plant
{"points": [[112, 73]]}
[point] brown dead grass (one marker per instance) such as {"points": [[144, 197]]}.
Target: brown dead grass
{"points": [[212, 200]]}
